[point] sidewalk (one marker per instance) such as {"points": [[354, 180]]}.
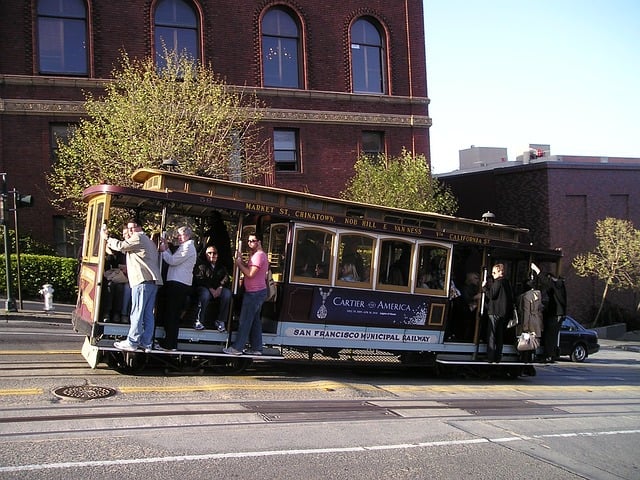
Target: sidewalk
{"points": [[33, 310]]}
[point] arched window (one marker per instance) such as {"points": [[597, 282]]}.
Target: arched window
{"points": [[62, 37], [280, 50], [176, 29], [367, 58]]}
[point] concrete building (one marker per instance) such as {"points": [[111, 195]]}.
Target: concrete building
{"points": [[559, 198], [338, 78]]}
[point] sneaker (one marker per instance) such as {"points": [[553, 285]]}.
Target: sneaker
{"points": [[125, 345], [198, 326], [253, 352], [157, 346], [147, 349], [231, 351], [220, 326]]}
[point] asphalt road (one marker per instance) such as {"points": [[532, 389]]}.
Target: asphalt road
{"points": [[277, 421]]}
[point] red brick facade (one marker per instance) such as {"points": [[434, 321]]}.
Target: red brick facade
{"points": [[330, 119], [560, 203]]}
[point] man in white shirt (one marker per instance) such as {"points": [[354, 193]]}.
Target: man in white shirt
{"points": [[178, 285]]}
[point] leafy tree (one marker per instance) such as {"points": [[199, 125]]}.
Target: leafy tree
{"points": [[403, 182], [615, 259], [27, 244], [182, 111]]}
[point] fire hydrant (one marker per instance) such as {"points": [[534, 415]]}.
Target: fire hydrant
{"points": [[47, 292]]}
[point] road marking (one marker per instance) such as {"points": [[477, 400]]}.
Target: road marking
{"points": [[309, 451], [213, 387], [41, 352], [330, 386], [22, 391]]}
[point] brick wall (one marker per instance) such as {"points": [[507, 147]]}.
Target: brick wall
{"points": [[231, 43], [560, 204]]}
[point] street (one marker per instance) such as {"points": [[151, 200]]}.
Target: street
{"points": [[303, 421]]}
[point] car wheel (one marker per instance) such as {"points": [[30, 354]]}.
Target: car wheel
{"points": [[579, 353]]}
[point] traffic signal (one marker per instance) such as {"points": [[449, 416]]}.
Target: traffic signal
{"points": [[24, 200]]}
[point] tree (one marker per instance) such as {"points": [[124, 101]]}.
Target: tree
{"points": [[147, 115], [615, 259], [403, 182]]}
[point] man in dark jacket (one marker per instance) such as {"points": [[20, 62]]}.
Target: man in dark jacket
{"points": [[499, 301], [212, 282]]}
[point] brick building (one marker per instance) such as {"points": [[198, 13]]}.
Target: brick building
{"points": [[559, 198], [339, 77]]}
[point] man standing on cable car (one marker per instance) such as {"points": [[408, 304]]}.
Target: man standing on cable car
{"points": [[143, 270], [499, 297], [255, 293]]}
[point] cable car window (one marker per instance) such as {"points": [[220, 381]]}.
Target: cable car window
{"points": [[394, 266], [355, 253], [433, 268], [312, 255]]}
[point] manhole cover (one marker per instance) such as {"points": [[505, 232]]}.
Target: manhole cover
{"points": [[84, 392]]}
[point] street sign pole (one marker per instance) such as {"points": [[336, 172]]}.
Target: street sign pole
{"points": [[10, 303]]}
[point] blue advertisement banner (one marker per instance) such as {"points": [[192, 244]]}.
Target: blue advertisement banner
{"points": [[366, 308]]}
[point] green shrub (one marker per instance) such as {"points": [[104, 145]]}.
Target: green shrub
{"points": [[38, 270]]}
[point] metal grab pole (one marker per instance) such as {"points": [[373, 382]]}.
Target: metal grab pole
{"points": [[480, 308]]}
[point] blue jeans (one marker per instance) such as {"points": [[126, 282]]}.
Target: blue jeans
{"points": [[204, 297], [250, 322], [143, 301], [126, 299]]}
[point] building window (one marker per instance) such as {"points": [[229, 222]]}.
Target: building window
{"points": [[373, 144], [59, 132], [280, 50], [67, 236], [285, 150], [176, 29], [62, 37], [367, 58]]}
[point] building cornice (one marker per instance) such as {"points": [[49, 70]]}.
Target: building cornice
{"points": [[21, 106], [76, 108], [351, 118], [85, 84]]}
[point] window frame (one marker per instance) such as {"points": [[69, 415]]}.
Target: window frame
{"points": [[407, 286], [177, 28], [64, 20], [296, 163], [367, 283], [379, 136], [296, 276], [368, 48], [438, 292], [284, 79]]}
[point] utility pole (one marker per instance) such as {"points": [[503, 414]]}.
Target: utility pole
{"points": [[10, 303]]}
